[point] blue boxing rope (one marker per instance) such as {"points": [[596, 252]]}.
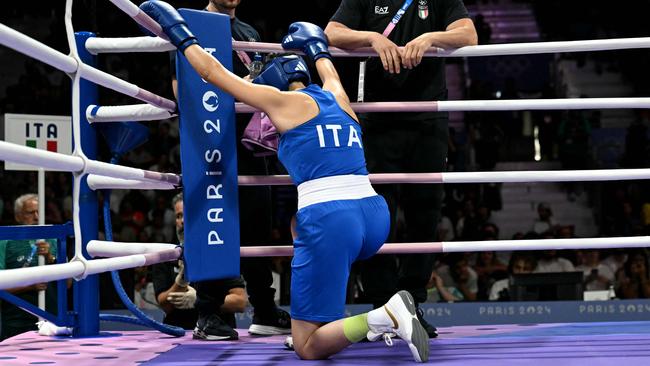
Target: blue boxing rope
{"points": [[140, 317]]}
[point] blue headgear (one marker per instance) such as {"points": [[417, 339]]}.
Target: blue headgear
{"points": [[282, 71]]}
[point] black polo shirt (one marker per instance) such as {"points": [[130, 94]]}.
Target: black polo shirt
{"points": [[426, 82], [163, 276], [242, 32]]}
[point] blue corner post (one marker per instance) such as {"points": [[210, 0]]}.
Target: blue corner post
{"points": [[86, 291]]}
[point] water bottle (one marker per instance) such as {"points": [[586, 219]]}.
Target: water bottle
{"points": [[255, 67], [611, 294]]}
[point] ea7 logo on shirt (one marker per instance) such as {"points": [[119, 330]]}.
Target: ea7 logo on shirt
{"points": [[381, 10]]}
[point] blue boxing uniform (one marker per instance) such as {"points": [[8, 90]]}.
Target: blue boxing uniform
{"points": [[340, 218]]}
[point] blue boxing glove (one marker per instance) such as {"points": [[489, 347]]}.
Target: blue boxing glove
{"points": [[171, 22], [308, 38]]}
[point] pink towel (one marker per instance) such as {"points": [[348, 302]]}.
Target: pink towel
{"points": [[260, 136]]}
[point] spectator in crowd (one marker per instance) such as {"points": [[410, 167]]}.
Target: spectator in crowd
{"points": [[445, 229], [178, 298], [616, 259], [475, 222], [598, 276], [551, 262], [634, 279], [544, 221], [520, 263], [489, 269], [438, 292], [133, 226], [21, 254], [458, 276], [565, 232], [489, 231]]}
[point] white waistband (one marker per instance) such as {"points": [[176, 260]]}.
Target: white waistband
{"points": [[335, 188]]}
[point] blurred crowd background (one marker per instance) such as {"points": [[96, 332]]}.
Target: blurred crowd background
{"points": [[543, 140]]}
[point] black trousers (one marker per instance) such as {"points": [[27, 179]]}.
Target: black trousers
{"points": [[255, 225], [405, 147], [254, 221]]}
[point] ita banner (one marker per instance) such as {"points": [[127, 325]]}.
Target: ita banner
{"points": [[51, 133], [209, 157]]}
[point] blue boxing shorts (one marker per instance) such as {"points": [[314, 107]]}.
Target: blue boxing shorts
{"points": [[331, 236]]}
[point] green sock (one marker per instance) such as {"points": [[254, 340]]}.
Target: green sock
{"points": [[355, 327]]}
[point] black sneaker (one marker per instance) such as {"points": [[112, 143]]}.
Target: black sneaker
{"points": [[431, 330], [277, 322], [212, 328]]}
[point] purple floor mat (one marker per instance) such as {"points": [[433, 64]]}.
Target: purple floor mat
{"points": [[591, 344]]}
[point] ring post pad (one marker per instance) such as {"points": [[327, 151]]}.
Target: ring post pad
{"points": [[208, 157]]}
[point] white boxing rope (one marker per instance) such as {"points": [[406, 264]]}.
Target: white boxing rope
{"points": [[109, 81], [139, 16], [153, 44], [109, 249], [126, 113], [490, 105], [96, 45], [96, 182], [542, 104], [40, 158], [546, 244], [475, 177], [118, 171], [39, 51], [131, 261], [546, 47], [31, 275], [477, 51], [76, 269], [545, 176], [475, 246], [71, 163]]}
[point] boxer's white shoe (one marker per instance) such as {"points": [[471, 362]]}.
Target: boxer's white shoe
{"points": [[398, 317]]}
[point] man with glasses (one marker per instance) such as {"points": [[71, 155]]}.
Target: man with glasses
{"points": [[21, 254]]}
